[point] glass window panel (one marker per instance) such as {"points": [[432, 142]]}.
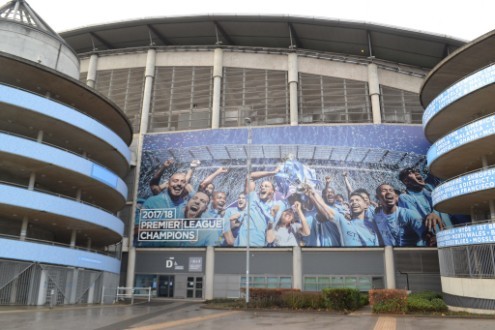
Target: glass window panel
{"points": [[364, 284], [310, 284], [272, 282], [324, 282], [350, 282], [286, 282], [338, 282]]}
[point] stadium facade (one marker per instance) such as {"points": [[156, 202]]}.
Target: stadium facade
{"points": [[311, 105], [457, 95], [64, 151]]}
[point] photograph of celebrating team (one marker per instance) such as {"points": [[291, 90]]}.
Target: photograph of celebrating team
{"points": [[289, 203]]}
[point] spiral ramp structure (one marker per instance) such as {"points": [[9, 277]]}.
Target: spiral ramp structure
{"points": [[63, 155], [459, 121]]}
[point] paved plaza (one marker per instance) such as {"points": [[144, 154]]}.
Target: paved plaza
{"points": [[191, 315]]}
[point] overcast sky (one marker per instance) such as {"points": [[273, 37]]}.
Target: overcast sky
{"points": [[465, 20]]}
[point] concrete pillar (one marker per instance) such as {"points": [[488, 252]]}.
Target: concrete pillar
{"points": [[73, 236], [209, 272], [143, 129], [24, 227], [297, 278], [217, 87], [131, 265], [389, 268], [32, 181], [374, 91], [293, 80], [88, 246], [149, 76], [39, 138], [91, 78]]}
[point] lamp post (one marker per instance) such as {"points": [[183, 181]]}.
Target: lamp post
{"points": [[248, 183]]}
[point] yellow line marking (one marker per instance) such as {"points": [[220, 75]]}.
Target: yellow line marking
{"points": [[386, 323], [170, 324]]}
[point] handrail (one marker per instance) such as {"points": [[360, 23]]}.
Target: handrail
{"points": [[58, 195], [463, 126], [471, 223], [57, 147], [117, 253], [464, 174]]}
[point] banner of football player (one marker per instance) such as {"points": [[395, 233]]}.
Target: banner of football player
{"points": [[314, 186]]}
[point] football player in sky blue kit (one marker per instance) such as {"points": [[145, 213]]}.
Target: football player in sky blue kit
{"points": [[323, 220], [398, 226], [174, 197], [370, 205], [263, 209], [418, 197], [333, 200], [233, 219], [212, 237], [358, 231]]}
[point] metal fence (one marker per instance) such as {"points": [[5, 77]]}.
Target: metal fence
{"points": [[473, 261], [28, 283]]}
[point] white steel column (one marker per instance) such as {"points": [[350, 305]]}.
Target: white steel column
{"points": [[32, 181], [73, 236], [39, 138], [24, 227], [389, 268], [293, 80], [148, 90], [143, 129], [374, 91], [217, 87], [209, 272], [91, 78], [43, 287], [297, 282]]}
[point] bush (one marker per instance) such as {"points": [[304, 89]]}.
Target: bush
{"points": [[364, 299], [303, 300], [388, 300], [428, 295], [426, 302], [262, 298], [392, 305], [439, 305], [342, 299]]}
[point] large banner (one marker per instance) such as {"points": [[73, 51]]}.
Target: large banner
{"points": [[317, 186]]}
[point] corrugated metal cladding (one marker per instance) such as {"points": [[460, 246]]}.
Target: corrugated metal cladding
{"points": [[261, 262], [343, 262]]}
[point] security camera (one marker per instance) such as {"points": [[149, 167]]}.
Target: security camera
{"points": [[247, 120]]}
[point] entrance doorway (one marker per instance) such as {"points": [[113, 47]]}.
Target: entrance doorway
{"points": [[195, 287], [166, 286]]}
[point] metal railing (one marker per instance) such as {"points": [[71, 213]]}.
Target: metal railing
{"points": [[469, 261], [133, 292], [117, 253], [57, 195]]}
